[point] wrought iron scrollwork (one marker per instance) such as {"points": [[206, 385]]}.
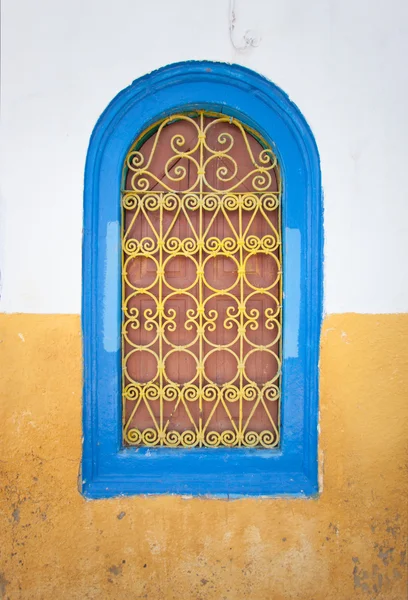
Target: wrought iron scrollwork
{"points": [[200, 192]]}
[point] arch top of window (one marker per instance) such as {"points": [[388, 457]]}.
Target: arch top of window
{"points": [[233, 91], [193, 114], [269, 161]]}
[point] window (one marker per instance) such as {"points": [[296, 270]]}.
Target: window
{"points": [[201, 295], [202, 289]]}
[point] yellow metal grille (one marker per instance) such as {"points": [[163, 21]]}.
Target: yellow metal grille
{"points": [[204, 375]]}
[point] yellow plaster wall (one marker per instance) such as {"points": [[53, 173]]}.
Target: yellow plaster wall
{"points": [[349, 543]]}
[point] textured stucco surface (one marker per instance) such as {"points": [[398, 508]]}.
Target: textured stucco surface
{"points": [[344, 63], [348, 543]]}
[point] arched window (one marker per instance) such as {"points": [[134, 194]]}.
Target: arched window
{"points": [[202, 289], [201, 277]]}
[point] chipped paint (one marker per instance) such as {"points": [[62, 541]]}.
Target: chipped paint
{"points": [[347, 543]]}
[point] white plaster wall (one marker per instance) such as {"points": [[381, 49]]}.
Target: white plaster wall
{"points": [[343, 63]]}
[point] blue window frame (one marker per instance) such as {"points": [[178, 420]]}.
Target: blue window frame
{"points": [[109, 469]]}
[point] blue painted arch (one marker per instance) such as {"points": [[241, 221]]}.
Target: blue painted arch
{"points": [[108, 469]]}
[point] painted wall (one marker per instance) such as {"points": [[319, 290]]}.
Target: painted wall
{"points": [[344, 65], [349, 543]]}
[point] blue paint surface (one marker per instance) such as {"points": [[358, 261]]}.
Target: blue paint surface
{"points": [[111, 295], [108, 469], [292, 291]]}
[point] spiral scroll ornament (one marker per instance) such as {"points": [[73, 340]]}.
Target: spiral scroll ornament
{"points": [[201, 286]]}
